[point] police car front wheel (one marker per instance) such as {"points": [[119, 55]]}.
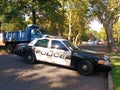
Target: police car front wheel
{"points": [[30, 58], [85, 67]]}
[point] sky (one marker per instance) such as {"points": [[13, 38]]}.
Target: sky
{"points": [[95, 25]]}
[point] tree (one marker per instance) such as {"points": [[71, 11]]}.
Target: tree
{"points": [[15, 10], [102, 34], [61, 17], [54, 16], [108, 12], [76, 19], [85, 35], [116, 32], [10, 14]]}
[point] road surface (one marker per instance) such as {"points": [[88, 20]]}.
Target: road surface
{"points": [[17, 75]]}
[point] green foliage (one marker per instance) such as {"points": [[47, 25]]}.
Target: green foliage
{"points": [[11, 16], [76, 19], [106, 10], [116, 32], [102, 34], [51, 14], [108, 13], [2, 51], [85, 36], [116, 27], [3, 4]]}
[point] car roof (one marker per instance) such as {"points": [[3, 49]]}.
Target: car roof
{"points": [[59, 38]]}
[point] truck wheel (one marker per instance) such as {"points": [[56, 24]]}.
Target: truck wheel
{"points": [[30, 58], [9, 48], [85, 67]]}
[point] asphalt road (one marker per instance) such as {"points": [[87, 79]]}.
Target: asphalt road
{"points": [[17, 75]]}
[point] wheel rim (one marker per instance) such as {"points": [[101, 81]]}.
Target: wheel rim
{"points": [[29, 57], [84, 68]]}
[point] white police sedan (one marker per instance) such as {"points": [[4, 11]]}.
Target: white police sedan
{"points": [[63, 52]]}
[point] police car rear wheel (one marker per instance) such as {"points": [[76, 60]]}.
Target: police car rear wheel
{"points": [[85, 67], [30, 58]]}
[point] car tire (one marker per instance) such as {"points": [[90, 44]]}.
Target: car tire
{"points": [[30, 58], [85, 67], [9, 48]]}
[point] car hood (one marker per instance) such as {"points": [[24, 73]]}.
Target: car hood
{"points": [[93, 52], [88, 54]]}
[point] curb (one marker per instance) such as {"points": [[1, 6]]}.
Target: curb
{"points": [[110, 81]]}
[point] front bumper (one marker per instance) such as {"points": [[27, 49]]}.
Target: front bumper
{"points": [[19, 52], [105, 68]]}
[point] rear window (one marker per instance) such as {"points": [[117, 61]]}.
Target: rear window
{"points": [[42, 43]]}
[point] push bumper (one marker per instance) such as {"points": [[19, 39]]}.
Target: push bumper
{"points": [[105, 68]]}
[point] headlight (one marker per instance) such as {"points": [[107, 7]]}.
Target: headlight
{"points": [[103, 62]]}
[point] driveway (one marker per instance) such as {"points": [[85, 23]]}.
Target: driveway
{"points": [[17, 75]]}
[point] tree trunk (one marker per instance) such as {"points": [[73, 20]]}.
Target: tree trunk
{"points": [[70, 26], [69, 15], [69, 34], [111, 45], [60, 32], [34, 16], [76, 39]]}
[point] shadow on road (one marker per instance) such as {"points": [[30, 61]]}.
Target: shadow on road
{"points": [[16, 75]]}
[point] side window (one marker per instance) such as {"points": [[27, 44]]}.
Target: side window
{"points": [[58, 45], [42, 43]]}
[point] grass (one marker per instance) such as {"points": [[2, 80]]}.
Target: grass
{"points": [[116, 71]]}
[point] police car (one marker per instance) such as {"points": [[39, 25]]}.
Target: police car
{"points": [[63, 52]]}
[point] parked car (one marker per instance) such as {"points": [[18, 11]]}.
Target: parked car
{"points": [[63, 52], [100, 42]]}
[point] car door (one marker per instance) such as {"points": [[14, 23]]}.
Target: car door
{"points": [[41, 49], [60, 53]]}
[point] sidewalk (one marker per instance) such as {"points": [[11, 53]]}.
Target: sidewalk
{"points": [[110, 82]]}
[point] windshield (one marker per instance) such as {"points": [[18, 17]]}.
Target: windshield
{"points": [[37, 31], [70, 45]]}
